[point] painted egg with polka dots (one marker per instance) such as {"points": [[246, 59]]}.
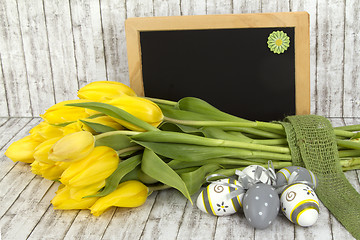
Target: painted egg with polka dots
{"points": [[300, 204], [264, 177], [283, 175], [214, 199], [261, 205]]}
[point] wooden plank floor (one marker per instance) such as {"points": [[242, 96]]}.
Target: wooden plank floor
{"points": [[26, 212]]}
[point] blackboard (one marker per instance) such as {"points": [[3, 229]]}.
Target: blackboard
{"points": [[231, 67]]}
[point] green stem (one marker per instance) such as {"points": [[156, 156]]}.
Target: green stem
{"points": [[349, 153], [120, 132], [162, 101], [129, 149], [176, 137], [348, 144], [225, 123], [350, 162], [349, 127], [343, 133]]}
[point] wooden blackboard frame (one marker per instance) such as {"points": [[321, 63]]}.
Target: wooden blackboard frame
{"points": [[298, 20]]}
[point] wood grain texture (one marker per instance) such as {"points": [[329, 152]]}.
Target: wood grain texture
{"points": [[247, 6], [37, 56], [167, 8], [113, 15], [61, 49], [13, 61], [330, 61], [219, 7], [4, 109], [193, 7], [275, 6], [88, 41], [351, 95], [310, 6]]}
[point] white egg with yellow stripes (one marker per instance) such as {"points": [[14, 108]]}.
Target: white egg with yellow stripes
{"points": [[300, 204], [214, 199]]}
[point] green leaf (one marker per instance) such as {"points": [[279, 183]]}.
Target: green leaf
{"points": [[200, 106], [98, 127], [156, 168], [123, 168], [194, 180], [116, 141], [115, 112]]}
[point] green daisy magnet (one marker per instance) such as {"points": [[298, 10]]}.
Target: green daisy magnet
{"points": [[278, 42]]}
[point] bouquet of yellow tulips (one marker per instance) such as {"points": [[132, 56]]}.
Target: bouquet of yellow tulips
{"points": [[113, 148]]}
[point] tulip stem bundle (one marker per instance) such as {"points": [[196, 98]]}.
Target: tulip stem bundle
{"points": [[111, 148]]}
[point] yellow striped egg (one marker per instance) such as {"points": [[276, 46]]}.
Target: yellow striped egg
{"points": [[300, 204], [213, 199], [283, 175]]}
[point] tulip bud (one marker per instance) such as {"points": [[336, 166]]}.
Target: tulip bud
{"points": [[141, 108], [104, 90], [63, 200], [59, 113], [49, 171], [95, 167], [41, 153], [72, 147], [44, 131], [22, 150], [131, 193]]}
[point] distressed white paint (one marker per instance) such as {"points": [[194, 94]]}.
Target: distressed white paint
{"points": [[37, 57], [61, 49], [193, 7], [330, 51], [88, 41], [4, 110], [49, 48], [113, 15], [13, 61], [351, 100], [310, 6]]}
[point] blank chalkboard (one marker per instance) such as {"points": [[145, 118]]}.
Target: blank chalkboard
{"points": [[228, 65]]}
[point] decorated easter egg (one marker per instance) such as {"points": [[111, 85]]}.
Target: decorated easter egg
{"points": [[300, 204], [283, 175], [214, 198], [264, 177], [261, 205]]}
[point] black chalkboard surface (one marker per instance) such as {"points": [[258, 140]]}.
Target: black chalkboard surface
{"points": [[233, 69], [224, 60]]}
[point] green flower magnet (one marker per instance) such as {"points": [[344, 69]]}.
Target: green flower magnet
{"points": [[278, 42]]}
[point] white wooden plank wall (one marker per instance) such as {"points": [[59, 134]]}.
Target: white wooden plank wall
{"points": [[50, 48]]}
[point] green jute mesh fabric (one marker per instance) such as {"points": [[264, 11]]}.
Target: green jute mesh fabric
{"points": [[313, 145]]}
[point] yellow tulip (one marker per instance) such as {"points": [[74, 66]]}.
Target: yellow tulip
{"points": [[141, 108], [41, 153], [59, 113], [95, 167], [47, 170], [44, 131], [79, 192], [72, 147], [128, 194], [101, 90], [63, 200], [22, 150]]}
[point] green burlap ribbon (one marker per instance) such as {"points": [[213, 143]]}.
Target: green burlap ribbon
{"points": [[313, 145]]}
